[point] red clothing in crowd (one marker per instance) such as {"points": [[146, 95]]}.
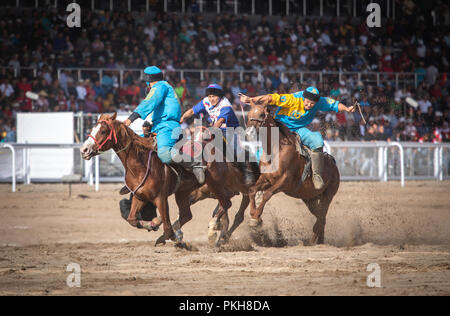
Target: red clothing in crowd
{"points": [[26, 105], [25, 87]]}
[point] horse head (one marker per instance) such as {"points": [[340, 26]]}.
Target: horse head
{"points": [[258, 116], [102, 137]]}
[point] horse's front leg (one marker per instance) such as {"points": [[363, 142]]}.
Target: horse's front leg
{"points": [[163, 207], [253, 211], [239, 217], [136, 206], [268, 193]]}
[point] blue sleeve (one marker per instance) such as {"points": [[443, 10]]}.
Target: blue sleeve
{"points": [[154, 99], [328, 105], [226, 113], [199, 108]]}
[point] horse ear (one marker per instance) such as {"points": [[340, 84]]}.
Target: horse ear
{"points": [[114, 116]]}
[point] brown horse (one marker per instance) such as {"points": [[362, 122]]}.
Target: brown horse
{"points": [[152, 181], [287, 178]]}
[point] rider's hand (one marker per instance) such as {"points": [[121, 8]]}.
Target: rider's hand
{"points": [[243, 98], [127, 122], [351, 109]]}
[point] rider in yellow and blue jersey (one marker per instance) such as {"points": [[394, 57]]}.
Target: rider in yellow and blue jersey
{"points": [[297, 111]]}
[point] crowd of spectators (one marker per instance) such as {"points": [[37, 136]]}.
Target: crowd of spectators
{"points": [[263, 48]]}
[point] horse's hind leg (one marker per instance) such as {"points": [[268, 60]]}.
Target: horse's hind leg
{"points": [[319, 208], [315, 206]]}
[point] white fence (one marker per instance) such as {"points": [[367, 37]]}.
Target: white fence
{"points": [[219, 75], [357, 161]]}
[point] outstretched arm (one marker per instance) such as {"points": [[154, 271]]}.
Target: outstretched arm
{"points": [[188, 114], [263, 100], [342, 107]]}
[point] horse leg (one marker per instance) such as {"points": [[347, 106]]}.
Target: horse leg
{"points": [[136, 206], [255, 220], [213, 226], [239, 217], [220, 222], [224, 224], [319, 208], [214, 179], [185, 215], [163, 208], [252, 197]]}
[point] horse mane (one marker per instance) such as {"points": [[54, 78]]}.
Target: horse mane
{"points": [[142, 145]]}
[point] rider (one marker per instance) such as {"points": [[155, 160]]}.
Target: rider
{"points": [[296, 111], [146, 128], [220, 115], [217, 106], [165, 106]]}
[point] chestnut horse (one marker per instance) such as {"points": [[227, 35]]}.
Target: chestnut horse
{"points": [[288, 177], [152, 181]]}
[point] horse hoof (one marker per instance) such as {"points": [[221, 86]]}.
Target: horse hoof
{"points": [[212, 238], [255, 223], [161, 240], [183, 245]]}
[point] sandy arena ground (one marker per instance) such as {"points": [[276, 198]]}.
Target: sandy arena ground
{"points": [[405, 231]]}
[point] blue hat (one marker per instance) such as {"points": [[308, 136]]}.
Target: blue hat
{"points": [[152, 74], [214, 86], [215, 89], [153, 70], [312, 93], [313, 90]]}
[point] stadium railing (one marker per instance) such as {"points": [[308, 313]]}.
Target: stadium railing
{"points": [[396, 78], [357, 161]]}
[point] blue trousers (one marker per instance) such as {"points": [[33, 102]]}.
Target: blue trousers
{"points": [[313, 140], [166, 140]]}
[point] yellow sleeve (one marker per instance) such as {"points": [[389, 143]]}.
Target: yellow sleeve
{"points": [[284, 100]]}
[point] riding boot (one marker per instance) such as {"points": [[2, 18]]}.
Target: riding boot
{"points": [[124, 190], [317, 165], [197, 168]]}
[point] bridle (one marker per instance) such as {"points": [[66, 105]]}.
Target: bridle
{"points": [[112, 134], [261, 121]]}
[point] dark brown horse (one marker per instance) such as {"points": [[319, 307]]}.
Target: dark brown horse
{"points": [[152, 181], [287, 178]]}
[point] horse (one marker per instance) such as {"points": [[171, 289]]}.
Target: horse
{"points": [[292, 176], [152, 181]]}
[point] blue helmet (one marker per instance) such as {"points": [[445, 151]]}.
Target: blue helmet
{"points": [[215, 89], [312, 93]]}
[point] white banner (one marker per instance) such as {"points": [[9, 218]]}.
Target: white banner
{"points": [[47, 128]]}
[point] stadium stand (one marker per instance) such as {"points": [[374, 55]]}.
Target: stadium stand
{"points": [[251, 54]]}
